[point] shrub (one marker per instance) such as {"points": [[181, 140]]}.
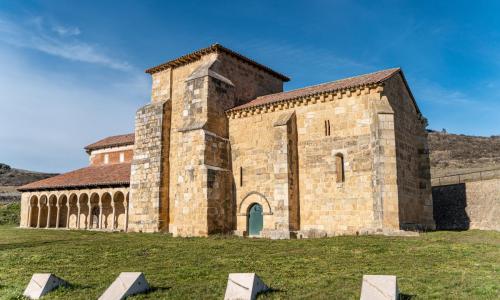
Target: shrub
{"points": [[10, 213]]}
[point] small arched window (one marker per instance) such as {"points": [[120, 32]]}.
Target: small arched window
{"points": [[339, 166]]}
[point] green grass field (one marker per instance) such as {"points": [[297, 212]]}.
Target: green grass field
{"points": [[439, 265]]}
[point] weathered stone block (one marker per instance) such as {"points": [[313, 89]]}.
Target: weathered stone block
{"points": [[126, 284], [379, 287], [244, 286], [42, 283]]}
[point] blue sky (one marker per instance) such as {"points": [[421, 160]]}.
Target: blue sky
{"points": [[72, 72]]}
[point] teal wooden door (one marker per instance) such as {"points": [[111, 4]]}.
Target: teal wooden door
{"points": [[255, 219]]}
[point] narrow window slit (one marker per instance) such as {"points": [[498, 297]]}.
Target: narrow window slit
{"points": [[241, 176]]}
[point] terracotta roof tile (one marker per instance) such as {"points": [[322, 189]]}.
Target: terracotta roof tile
{"points": [[112, 141], [350, 82], [214, 48], [93, 176]]}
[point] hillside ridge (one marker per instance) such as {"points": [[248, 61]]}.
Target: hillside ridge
{"points": [[11, 178], [459, 153]]}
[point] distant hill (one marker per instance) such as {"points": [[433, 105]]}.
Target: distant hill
{"points": [[11, 178], [458, 153]]}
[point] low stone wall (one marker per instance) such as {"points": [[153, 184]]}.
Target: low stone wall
{"points": [[467, 201]]}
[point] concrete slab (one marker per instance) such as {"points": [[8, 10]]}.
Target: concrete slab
{"points": [[244, 286], [42, 283], [379, 287], [126, 284]]}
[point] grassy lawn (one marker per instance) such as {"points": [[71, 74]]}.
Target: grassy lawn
{"points": [[439, 265]]}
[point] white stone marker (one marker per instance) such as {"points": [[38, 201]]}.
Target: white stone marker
{"points": [[244, 286], [379, 287], [126, 284], [42, 283]]}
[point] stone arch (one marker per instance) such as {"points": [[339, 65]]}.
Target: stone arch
{"points": [[72, 210], [83, 202], [94, 210], [63, 210], [43, 208], [107, 210], [120, 203], [251, 198], [33, 215], [52, 211]]}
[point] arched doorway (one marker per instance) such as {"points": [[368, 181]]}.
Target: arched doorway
{"points": [[255, 219]]}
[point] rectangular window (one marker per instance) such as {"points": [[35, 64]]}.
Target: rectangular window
{"points": [[327, 127], [106, 158], [122, 157], [339, 164], [241, 176]]}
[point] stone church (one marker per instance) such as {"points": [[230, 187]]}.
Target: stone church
{"points": [[222, 149]]}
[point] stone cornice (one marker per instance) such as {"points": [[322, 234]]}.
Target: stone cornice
{"points": [[306, 100]]}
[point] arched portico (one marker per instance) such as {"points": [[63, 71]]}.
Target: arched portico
{"points": [[97, 209]]}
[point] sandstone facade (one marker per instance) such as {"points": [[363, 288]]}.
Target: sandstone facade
{"points": [[221, 141]]}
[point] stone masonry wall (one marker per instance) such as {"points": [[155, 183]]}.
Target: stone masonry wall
{"points": [[471, 201], [384, 170], [326, 207], [413, 172], [147, 167], [200, 183]]}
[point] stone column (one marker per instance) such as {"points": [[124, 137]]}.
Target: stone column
{"points": [[100, 213], [29, 214], [89, 215], [58, 213], [78, 216], [125, 202], [67, 214], [39, 213], [113, 218], [48, 214]]}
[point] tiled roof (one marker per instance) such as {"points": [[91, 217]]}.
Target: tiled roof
{"points": [[351, 82], [93, 176], [112, 141], [214, 48]]}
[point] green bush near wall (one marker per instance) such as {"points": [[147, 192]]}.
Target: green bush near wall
{"points": [[10, 213]]}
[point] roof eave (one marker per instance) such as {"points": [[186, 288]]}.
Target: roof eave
{"points": [[74, 187], [407, 88], [185, 59]]}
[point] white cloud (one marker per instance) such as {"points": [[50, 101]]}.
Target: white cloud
{"points": [[60, 41], [46, 117], [66, 31], [303, 55], [437, 94]]}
